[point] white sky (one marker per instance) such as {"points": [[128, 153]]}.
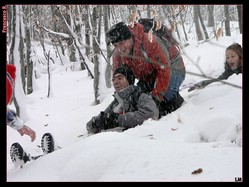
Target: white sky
{"points": [[200, 134]]}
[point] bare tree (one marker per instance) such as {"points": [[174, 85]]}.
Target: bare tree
{"points": [[10, 21], [21, 49], [202, 22], [15, 54], [108, 69], [240, 18], [210, 9], [227, 20], [71, 46], [76, 43], [29, 62], [50, 93], [87, 30], [197, 23], [57, 27], [183, 23], [97, 10], [174, 21], [148, 11]]}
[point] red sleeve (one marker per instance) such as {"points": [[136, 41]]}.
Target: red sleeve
{"points": [[11, 69], [163, 71]]}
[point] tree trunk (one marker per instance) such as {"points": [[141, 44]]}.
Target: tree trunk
{"points": [[108, 66], [29, 63], [10, 20], [87, 31], [12, 36], [183, 27], [176, 24], [210, 9], [96, 52], [240, 17], [56, 27], [148, 11], [19, 96], [202, 22], [49, 77], [197, 24], [227, 20]]}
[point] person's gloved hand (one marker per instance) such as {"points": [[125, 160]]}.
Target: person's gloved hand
{"points": [[103, 121], [111, 120], [161, 105], [28, 131], [201, 84], [93, 126]]}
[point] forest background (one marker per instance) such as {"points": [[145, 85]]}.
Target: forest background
{"points": [[73, 37]]}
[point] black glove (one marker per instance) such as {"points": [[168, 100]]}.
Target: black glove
{"points": [[92, 126], [104, 121], [201, 84], [110, 120], [161, 105]]}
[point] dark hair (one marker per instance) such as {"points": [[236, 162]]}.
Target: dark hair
{"points": [[117, 33], [127, 72], [238, 49]]}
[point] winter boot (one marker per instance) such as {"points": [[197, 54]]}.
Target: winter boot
{"points": [[18, 156], [47, 143]]}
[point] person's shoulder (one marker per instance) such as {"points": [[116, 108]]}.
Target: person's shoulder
{"points": [[136, 91], [141, 94], [136, 25], [240, 68]]}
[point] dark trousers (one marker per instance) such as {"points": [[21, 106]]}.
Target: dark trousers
{"points": [[167, 106], [172, 99]]}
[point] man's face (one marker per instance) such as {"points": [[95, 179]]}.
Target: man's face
{"points": [[119, 82], [125, 47]]}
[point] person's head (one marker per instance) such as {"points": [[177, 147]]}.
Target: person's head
{"points": [[122, 78], [120, 36], [10, 80], [234, 55]]}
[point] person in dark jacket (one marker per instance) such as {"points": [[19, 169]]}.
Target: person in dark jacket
{"points": [[233, 64], [130, 107], [160, 71]]}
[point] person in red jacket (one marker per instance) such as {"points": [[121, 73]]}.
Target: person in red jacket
{"points": [[12, 119], [160, 71]]}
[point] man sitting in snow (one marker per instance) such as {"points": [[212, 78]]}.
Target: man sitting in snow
{"points": [[131, 107]]}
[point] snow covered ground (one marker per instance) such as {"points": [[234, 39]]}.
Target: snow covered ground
{"points": [[204, 133]]}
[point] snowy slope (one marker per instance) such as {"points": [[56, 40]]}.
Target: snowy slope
{"points": [[204, 133]]}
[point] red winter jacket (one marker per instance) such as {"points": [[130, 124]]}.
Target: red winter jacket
{"points": [[10, 79], [143, 68]]}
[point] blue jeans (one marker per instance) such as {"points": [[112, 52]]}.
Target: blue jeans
{"points": [[176, 80]]}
